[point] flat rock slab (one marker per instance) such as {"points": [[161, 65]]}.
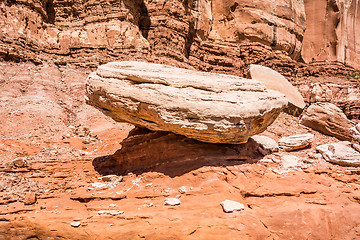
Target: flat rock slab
{"points": [[340, 153], [327, 118], [295, 142], [230, 206], [209, 107], [275, 81]]}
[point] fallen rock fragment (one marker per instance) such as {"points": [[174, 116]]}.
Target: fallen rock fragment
{"points": [[295, 142], [327, 118], [209, 107], [20, 162], [110, 212], [75, 224], [266, 144], [30, 198], [275, 81], [231, 206], [182, 189], [340, 153], [172, 202]]}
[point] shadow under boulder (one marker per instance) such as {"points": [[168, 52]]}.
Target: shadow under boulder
{"points": [[144, 150]]}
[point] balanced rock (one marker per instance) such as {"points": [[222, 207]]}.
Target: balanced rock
{"points": [[296, 142], [209, 107], [327, 118], [340, 153], [275, 81]]}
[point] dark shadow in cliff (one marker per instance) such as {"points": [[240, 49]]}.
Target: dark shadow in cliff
{"points": [[50, 11], [172, 154], [190, 36], [139, 11]]}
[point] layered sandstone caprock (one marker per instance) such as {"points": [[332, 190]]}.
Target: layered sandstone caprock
{"points": [[208, 107]]}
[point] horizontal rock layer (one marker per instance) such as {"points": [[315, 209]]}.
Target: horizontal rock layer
{"points": [[208, 107], [94, 32]]}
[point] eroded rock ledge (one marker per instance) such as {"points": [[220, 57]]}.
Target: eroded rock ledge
{"points": [[209, 107]]}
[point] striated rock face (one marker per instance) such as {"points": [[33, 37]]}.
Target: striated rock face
{"points": [[208, 107], [280, 24], [332, 27]]}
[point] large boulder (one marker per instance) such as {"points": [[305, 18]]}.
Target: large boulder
{"points": [[327, 118], [275, 81], [209, 107]]}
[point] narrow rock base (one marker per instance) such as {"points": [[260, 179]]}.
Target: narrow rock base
{"points": [[174, 154]]}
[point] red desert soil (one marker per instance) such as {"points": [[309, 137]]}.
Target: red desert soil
{"points": [[44, 119]]}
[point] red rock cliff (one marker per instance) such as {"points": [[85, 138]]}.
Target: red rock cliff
{"points": [[211, 35]]}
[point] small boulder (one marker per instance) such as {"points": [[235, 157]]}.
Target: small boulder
{"points": [[75, 224], [327, 118], [30, 198], [275, 81], [295, 142], [266, 144], [231, 206], [19, 162], [172, 202], [340, 153]]}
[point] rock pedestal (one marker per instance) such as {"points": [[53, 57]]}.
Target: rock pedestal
{"points": [[145, 150]]}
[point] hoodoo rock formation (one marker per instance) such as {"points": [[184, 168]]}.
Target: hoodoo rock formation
{"points": [[209, 107]]}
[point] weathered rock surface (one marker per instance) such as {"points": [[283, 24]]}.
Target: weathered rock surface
{"points": [[208, 107], [331, 30], [340, 153], [337, 90], [275, 81], [277, 23], [355, 132], [146, 150], [295, 142], [328, 119]]}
